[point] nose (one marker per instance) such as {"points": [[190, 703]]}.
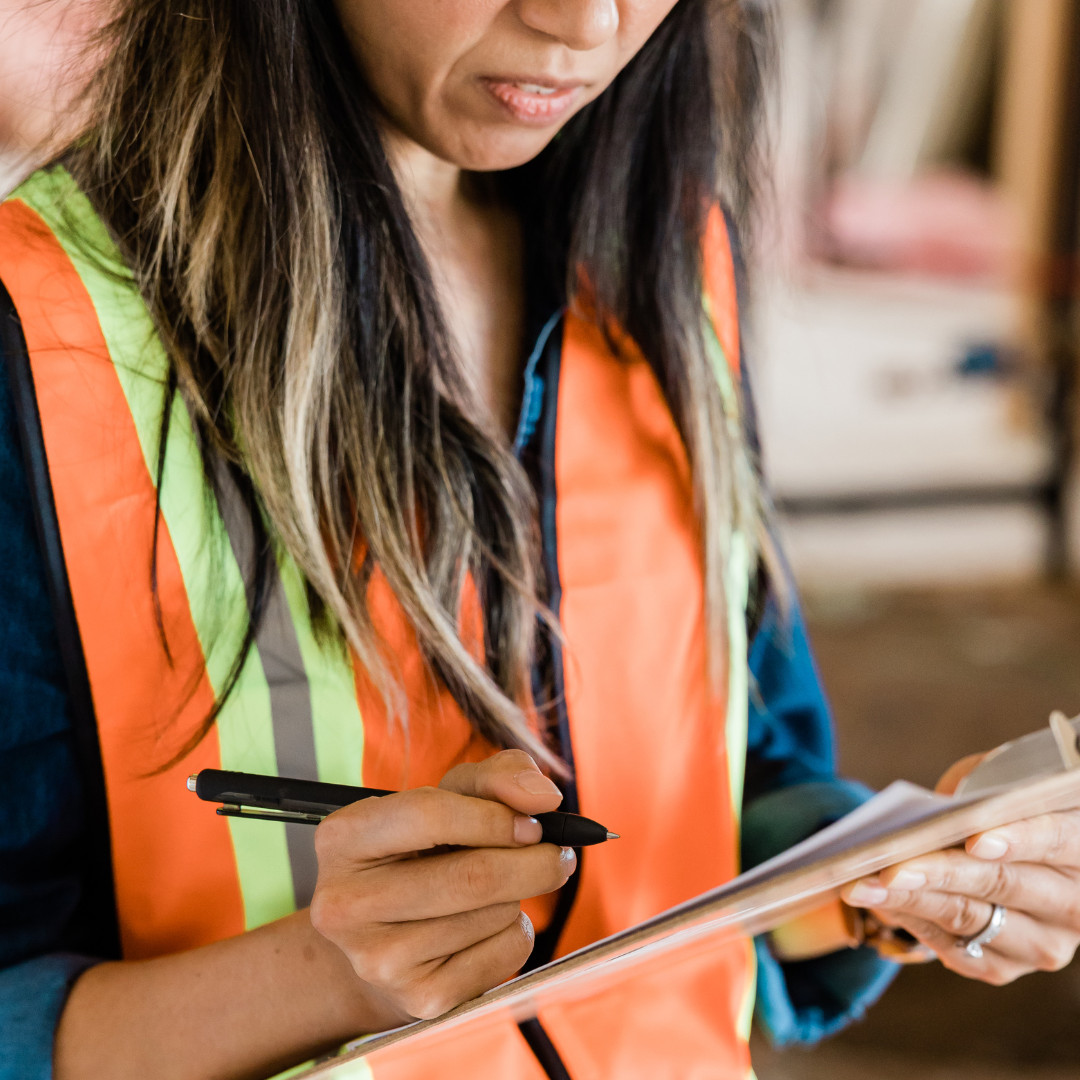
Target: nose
{"points": [[579, 24]]}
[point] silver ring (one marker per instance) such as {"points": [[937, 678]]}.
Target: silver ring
{"points": [[973, 945]]}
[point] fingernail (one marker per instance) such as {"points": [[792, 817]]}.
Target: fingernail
{"points": [[990, 846], [535, 783], [527, 927], [908, 880], [527, 830], [863, 895], [568, 857]]}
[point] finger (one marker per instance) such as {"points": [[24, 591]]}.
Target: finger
{"points": [[949, 782], [375, 829], [1032, 944], [510, 777], [388, 955], [1025, 943], [1041, 891], [1049, 838], [958, 915], [470, 972], [440, 885], [993, 967]]}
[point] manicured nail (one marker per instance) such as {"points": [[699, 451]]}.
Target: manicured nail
{"points": [[908, 880], [527, 830], [535, 783], [864, 895], [527, 927], [990, 846], [568, 857]]}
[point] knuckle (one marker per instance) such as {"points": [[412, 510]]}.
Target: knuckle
{"points": [[947, 880], [1058, 839], [326, 912], [335, 911], [506, 914], [513, 759], [384, 964], [478, 876], [1003, 881], [425, 800], [969, 915], [1057, 955], [328, 836], [425, 1002]]}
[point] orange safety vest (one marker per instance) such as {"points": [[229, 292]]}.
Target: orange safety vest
{"points": [[655, 755]]}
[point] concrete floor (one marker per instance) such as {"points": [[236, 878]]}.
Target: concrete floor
{"points": [[918, 680]]}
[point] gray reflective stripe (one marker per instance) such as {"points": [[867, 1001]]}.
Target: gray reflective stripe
{"points": [[283, 668]]}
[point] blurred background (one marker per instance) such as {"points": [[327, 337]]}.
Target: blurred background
{"points": [[914, 348], [914, 351]]}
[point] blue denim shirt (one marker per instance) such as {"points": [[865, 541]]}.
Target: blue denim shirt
{"points": [[791, 791]]}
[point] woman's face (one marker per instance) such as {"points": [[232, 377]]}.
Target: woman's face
{"points": [[486, 84]]}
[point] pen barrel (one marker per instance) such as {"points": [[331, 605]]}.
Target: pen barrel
{"points": [[284, 795], [277, 792], [570, 830]]}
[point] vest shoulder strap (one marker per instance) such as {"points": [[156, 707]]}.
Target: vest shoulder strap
{"points": [[94, 925]]}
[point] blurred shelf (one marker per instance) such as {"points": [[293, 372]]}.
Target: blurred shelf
{"points": [[858, 391], [891, 465]]}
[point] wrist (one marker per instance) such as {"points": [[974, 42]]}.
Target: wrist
{"points": [[358, 1007], [827, 929]]}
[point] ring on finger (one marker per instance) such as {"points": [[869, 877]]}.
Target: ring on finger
{"points": [[973, 945]]}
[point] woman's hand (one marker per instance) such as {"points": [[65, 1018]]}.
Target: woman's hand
{"points": [[1031, 868], [427, 927]]}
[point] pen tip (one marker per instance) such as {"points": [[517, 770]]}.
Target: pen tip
{"points": [[192, 781], [613, 836]]}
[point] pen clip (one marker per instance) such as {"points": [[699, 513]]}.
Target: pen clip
{"points": [[294, 816]]}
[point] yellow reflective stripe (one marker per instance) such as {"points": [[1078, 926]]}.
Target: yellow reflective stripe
{"points": [[746, 1009], [211, 575], [735, 725], [737, 588], [358, 1069]]}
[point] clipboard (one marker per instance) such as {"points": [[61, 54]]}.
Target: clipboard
{"points": [[900, 823]]}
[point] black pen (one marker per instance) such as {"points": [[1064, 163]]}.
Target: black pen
{"points": [[280, 798]]}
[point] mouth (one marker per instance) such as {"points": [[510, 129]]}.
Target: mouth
{"points": [[534, 100]]}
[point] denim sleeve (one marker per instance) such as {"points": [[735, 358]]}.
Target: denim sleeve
{"points": [[792, 790], [41, 807]]}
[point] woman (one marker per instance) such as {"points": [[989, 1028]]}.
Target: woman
{"points": [[371, 423]]}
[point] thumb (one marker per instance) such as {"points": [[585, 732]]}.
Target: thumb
{"points": [[509, 777]]}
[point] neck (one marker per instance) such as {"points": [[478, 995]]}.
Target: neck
{"points": [[433, 189]]}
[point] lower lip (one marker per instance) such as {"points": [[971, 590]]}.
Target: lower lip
{"points": [[531, 108]]}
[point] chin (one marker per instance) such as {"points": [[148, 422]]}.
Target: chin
{"points": [[499, 147]]}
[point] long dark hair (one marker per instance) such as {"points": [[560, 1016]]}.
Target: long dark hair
{"points": [[235, 153]]}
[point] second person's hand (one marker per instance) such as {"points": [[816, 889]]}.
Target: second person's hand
{"points": [[429, 928], [1030, 868]]}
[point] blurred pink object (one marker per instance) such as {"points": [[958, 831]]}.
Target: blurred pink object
{"points": [[42, 62], [944, 224]]}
